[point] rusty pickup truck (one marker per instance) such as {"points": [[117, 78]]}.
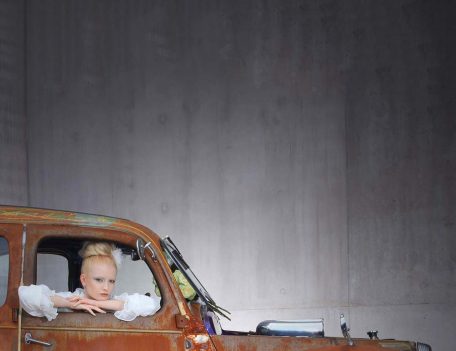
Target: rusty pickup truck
{"points": [[33, 241]]}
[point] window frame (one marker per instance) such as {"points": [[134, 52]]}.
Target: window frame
{"points": [[9, 310]]}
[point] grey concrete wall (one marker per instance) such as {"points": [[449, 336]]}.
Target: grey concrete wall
{"points": [[401, 171], [301, 152], [13, 164]]}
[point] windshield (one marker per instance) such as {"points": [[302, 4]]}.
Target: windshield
{"points": [[173, 252]]}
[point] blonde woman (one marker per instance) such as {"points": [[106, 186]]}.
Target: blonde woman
{"points": [[98, 277]]}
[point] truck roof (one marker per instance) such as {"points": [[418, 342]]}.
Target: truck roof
{"points": [[31, 215]]}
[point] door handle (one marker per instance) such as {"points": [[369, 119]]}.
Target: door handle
{"points": [[30, 340]]}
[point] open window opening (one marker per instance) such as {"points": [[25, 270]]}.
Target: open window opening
{"points": [[59, 268]]}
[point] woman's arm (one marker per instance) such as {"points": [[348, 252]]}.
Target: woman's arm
{"points": [[137, 305], [36, 301], [40, 301], [125, 307], [60, 301], [111, 305], [68, 302]]}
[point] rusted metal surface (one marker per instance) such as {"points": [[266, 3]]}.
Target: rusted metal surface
{"points": [[175, 327], [8, 339], [105, 340], [10, 214], [274, 343]]}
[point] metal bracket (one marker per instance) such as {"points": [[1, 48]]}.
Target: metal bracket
{"points": [[152, 252], [141, 247]]}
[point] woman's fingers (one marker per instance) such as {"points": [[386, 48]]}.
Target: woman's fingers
{"points": [[98, 309], [77, 303], [81, 301], [91, 309]]}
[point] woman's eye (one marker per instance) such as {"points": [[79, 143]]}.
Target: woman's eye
{"points": [[99, 280], [112, 281]]}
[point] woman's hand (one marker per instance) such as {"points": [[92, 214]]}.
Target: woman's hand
{"points": [[110, 305], [77, 300], [88, 308], [88, 305]]}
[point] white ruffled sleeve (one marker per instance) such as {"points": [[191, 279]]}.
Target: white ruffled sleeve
{"points": [[36, 301], [137, 305]]}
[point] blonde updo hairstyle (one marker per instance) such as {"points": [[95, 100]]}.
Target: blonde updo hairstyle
{"points": [[96, 252]]}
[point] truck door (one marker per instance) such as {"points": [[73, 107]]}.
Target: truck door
{"points": [[77, 330], [10, 267]]}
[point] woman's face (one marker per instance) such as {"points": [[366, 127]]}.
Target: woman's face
{"points": [[99, 280]]}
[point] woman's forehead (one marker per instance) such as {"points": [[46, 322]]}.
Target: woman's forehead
{"points": [[102, 268]]}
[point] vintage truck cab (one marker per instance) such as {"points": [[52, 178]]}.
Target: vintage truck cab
{"points": [[34, 242]]}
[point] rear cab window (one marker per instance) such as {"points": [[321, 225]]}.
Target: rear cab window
{"points": [[4, 269]]}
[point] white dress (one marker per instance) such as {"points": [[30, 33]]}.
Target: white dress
{"points": [[36, 301]]}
